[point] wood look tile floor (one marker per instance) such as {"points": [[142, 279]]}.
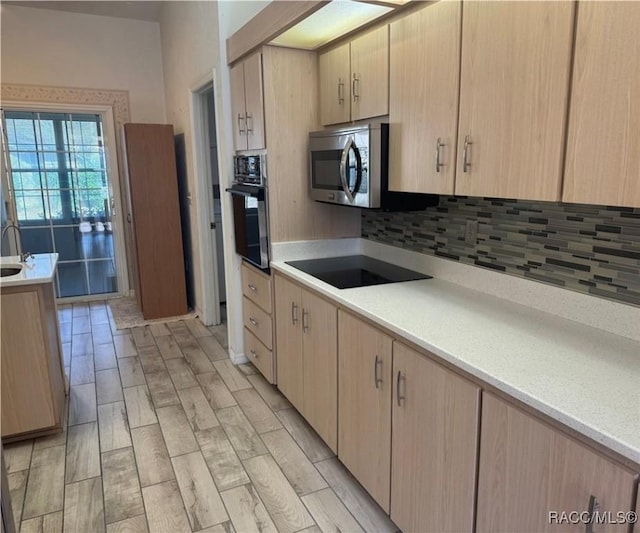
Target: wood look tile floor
{"points": [[165, 435]]}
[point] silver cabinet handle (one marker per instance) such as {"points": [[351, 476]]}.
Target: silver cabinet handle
{"points": [[355, 81], [465, 154], [305, 320], [340, 91], [252, 287], [247, 117], [294, 313], [377, 364], [240, 126], [439, 144], [253, 321], [593, 505], [400, 397], [253, 352]]}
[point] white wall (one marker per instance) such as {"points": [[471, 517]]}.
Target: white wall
{"points": [[189, 37], [47, 47]]}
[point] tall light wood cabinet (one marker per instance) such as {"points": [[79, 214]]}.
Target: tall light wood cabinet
{"points": [[307, 341], [247, 104], [154, 220], [516, 59], [354, 79], [423, 99], [434, 445], [528, 469], [603, 142], [364, 410], [33, 388]]}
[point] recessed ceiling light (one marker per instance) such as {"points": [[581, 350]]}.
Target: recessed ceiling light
{"points": [[332, 21]]}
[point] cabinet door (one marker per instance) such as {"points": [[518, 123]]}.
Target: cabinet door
{"points": [[320, 349], [603, 146], [364, 409], [434, 439], [513, 98], [289, 363], [335, 100], [527, 469], [238, 107], [423, 108], [254, 102], [27, 398], [370, 74]]}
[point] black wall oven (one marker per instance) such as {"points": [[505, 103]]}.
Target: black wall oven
{"points": [[250, 212]]}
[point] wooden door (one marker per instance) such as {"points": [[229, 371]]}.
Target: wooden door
{"points": [[289, 363], [434, 438], [603, 146], [370, 74], [528, 469], [155, 207], [238, 106], [423, 108], [516, 59], [364, 409], [320, 349], [254, 102], [335, 86], [27, 398]]}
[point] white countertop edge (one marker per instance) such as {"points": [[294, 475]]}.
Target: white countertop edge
{"points": [[39, 268], [609, 441]]}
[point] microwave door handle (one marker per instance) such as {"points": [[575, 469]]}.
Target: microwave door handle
{"points": [[343, 169]]}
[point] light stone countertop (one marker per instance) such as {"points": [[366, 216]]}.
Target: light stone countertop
{"points": [[40, 268], [581, 376]]}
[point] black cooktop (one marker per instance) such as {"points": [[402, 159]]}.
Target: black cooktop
{"points": [[355, 271]]}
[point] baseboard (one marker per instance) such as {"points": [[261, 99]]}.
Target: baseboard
{"points": [[237, 358]]}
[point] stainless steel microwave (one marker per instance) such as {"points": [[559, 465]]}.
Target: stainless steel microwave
{"points": [[349, 166]]}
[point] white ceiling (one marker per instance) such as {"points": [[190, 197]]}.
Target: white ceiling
{"points": [[141, 10]]}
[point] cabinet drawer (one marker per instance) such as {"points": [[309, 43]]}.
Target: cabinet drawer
{"points": [[259, 355], [257, 287], [257, 321]]}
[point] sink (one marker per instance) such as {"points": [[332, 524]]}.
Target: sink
{"points": [[10, 270]]}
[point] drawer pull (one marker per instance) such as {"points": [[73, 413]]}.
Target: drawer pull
{"points": [[252, 287], [465, 154], [593, 507], [439, 145], [305, 320], [253, 321], [254, 353], [400, 397], [377, 380], [294, 313]]}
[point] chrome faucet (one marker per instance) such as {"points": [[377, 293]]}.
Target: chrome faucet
{"points": [[16, 233]]}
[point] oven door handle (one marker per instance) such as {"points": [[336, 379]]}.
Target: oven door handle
{"points": [[343, 169]]}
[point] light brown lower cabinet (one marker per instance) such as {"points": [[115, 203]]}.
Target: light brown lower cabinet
{"points": [[307, 366], [434, 445], [531, 473], [33, 389], [364, 409]]}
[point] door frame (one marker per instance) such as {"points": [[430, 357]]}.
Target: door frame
{"points": [[111, 157], [210, 305]]}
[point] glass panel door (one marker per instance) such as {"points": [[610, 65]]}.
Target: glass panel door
{"points": [[61, 192]]}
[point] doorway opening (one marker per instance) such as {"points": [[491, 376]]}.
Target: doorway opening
{"points": [[205, 149], [61, 196]]}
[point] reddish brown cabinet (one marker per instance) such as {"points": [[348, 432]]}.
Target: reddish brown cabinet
{"points": [[154, 219]]}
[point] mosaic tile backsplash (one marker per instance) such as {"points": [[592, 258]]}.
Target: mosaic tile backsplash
{"points": [[591, 249]]}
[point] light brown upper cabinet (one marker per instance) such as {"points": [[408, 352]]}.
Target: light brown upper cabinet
{"points": [[307, 360], [247, 103], [364, 410], [603, 143], [434, 438], [527, 469], [423, 99], [513, 98], [354, 79]]}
